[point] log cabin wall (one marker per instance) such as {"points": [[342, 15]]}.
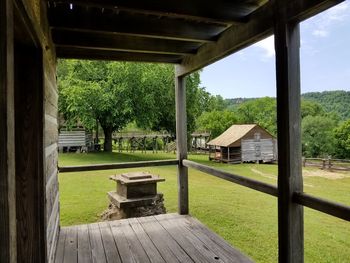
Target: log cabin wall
{"points": [[36, 11]]}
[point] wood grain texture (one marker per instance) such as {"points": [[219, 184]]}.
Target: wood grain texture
{"points": [[162, 238], [7, 141], [222, 12], [67, 169], [181, 144], [30, 179], [331, 208], [290, 180], [84, 249]]}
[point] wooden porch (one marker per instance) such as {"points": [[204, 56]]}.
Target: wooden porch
{"points": [[161, 238]]}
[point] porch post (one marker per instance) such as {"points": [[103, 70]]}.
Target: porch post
{"points": [[290, 215], [181, 144], [7, 136]]}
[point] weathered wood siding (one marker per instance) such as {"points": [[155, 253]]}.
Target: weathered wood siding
{"points": [[259, 150], [75, 138], [36, 11]]}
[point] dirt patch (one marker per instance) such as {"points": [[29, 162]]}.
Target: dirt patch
{"points": [[270, 176], [325, 174]]}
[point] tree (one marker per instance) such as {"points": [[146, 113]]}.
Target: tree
{"points": [[261, 111], [311, 108], [342, 137], [317, 136], [216, 122], [158, 84], [103, 91], [118, 93]]}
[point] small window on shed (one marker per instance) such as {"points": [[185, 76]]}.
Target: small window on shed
{"points": [[257, 136]]}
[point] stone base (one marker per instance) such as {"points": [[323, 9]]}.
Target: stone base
{"points": [[114, 213]]}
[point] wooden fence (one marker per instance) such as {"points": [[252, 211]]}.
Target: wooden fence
{"points": [[328, 164]]}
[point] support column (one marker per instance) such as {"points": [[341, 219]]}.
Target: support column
{"points": [[181, 144], [290, 215], [7, 136]]}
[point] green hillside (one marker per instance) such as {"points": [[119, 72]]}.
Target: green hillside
{"points": [[337, 101]]}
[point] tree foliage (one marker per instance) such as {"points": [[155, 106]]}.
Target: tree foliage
{"points": [[317, 136], [261, 111], [337, 101], [117, 93], [216, 122], [342, 136]]}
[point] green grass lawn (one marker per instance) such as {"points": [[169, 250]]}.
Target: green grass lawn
{"points": [[245, 218]]}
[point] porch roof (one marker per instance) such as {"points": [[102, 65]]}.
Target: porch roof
{"points": [[190, 33]]}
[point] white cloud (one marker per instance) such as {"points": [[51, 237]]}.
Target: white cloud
{"points": [[320, 33], [268, 46], [323, 22]]}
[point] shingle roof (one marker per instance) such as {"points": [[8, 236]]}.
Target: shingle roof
{"points": [[232, 134]]}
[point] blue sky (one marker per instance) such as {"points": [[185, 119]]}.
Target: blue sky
{"points": [[324, 54]]}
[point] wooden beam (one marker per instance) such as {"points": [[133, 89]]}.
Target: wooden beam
{"points": [[82, 19], [226, 12], [66, 38], [7, 136], [331, 208], [290, 180], [113, 166], [234, 178], [259, 26], [95, 54], [181, 144]]}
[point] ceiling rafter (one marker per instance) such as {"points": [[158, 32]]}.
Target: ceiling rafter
{"points": [[223, 11]]}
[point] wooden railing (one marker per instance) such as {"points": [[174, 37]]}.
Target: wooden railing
{"points": [[110, 166], [327, 163], [331, 208]]}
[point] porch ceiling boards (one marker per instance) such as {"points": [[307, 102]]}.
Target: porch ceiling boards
{"points": [[163, 238], [138, 30], [192, 33]]}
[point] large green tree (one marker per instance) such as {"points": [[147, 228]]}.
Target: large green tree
{"points": [[103, 91], [115, 94]]}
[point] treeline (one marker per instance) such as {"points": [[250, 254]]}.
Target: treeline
{"points": [[114, 94], [325, 132]]}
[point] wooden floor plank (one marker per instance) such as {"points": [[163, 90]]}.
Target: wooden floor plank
{"points": [[109, 245], [98, 253], [60, 246], [134, 243], [194, 247], [198, 227], [146, 242], [122, 243], [71, 246], [84, 248], [163, 240]]}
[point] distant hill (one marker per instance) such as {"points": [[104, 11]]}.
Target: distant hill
{"points": [[337, 101]]}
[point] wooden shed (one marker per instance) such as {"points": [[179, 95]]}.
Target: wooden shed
{"points": [[243, 143], [77, 139]]}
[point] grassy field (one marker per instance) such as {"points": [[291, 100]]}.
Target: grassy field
{"points": [[245, 218]]}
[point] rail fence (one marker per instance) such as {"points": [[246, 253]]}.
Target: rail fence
{"points": [[327, 163]]}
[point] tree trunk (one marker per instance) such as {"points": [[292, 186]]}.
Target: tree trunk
{"points": [[107, 146]]}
